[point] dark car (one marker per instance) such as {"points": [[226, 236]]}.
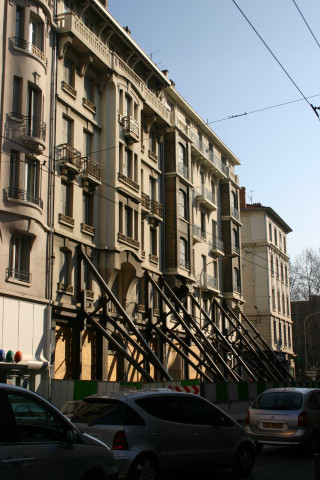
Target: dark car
{"points": [[37, 441]]}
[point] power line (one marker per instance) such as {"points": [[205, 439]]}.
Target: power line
{"points": [[276, 59], [305, 21]]}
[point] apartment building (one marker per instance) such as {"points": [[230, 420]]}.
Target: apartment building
{"points": [[266, 286], [120, 221], [27, 106]]}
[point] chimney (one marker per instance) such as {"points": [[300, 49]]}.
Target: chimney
{"points": [[243, 203], [127, 29]]}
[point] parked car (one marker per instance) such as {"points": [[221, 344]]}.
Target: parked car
{"points": [[37, 441], [163, 430], [286, 416], [69, 408]]}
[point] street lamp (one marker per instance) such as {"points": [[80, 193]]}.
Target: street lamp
{"points": [[232, 255], [305, 339]]}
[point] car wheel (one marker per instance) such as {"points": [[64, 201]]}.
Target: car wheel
{"points": [[243, 460], [259, 447], [313, 444], [144, 467]]}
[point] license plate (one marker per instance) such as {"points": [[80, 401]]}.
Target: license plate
{"points": [[272, 425]]}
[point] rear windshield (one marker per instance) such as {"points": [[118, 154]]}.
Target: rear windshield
{"points": [[278, 401], [107, 412]]}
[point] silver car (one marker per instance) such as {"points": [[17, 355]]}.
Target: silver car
{"points": [[163, 430], [286, 416], [37, 441]]}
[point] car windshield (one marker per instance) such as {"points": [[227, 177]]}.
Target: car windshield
{"points": [[278, 401]]}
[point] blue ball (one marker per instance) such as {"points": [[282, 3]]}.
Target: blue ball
{"points": [[2, 355]]}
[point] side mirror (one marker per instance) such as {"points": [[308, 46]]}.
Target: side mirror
{"points": [[219, 421], [70, 438]]}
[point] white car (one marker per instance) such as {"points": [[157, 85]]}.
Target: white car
{"points": [[37, 441], [158, 431]]}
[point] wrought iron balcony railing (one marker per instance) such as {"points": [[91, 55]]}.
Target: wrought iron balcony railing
{"points": [[24, 195], [29, 47], [18, 275]]}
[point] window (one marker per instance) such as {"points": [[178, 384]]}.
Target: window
{"points": [[127, 106], [284, 245], [277, 267], [285, 335], [275, 338], [272, 264], [235, 240], [68, 71], [65, 268], [33, 111], [273, 299], [14, 171], [279, 302], [19, 27], [286, 274], [87, 208], [183, 204], [17, 95], [152, 188], [89, 88], [270, 232], [19, 257], [67, 130], [36, 32], [281, 270], [203, 225], [289, 336], [87, 143], [184, 252], [280, 334], [66, 199], [283, 304], [67, 5], [182, 160], [153, 241], [288, 306], [280, 240], [275, 236], [236, 279], [32, 180], [152, 141]]}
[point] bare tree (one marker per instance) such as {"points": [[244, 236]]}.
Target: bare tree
{"points": [[305, 275]]}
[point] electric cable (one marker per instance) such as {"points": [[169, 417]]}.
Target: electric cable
{"points": [[305, 21]]}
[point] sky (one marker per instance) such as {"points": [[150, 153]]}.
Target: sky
{"points": [[222, 69]]}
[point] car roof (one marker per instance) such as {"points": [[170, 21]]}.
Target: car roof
{"points": [[303, 390], [128, 393]]}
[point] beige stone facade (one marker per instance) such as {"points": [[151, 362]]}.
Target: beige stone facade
{"points": [[120, 210], [266, 287]]}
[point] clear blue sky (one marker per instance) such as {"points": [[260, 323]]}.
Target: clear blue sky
{"points": [[221, 68]]}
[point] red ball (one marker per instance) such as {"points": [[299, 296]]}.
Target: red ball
{"points": [[18, 356]]}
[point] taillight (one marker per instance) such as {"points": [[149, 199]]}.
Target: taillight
{"points": [[303, 419], [120, 441], [248, 418]]}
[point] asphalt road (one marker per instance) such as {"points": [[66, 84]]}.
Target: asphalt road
{"points": [[273, 463]]}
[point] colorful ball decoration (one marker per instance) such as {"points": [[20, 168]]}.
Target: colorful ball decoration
{"points": [[10, 356], [2, 355], [18, 356]]}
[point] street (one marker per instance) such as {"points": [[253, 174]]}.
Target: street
{"points": [[273, 463]]}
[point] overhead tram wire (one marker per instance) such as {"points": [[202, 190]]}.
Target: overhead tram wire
{"points": [[305, 21], [278, 62]]}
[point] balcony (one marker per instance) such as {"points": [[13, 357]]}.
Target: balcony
{"points": [[91, 171], [24, 195], [198, 233], [34, 134], [69, 89], [183, 170], [204, 197], [89, 105], [66, 220], [217, 245], [131, 129], [235, 214], [64, 288], [208, 155], [184, 264], [21, 44], [13, 274], [128, 181], [128, 240], [88, 229], [208, 281], [235, 249], [153, 258], [156, 208], [69, 159], [145, 202]]}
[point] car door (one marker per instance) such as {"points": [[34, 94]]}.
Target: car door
{"points": [[215, 434], [41, 449], [9, 456]]}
